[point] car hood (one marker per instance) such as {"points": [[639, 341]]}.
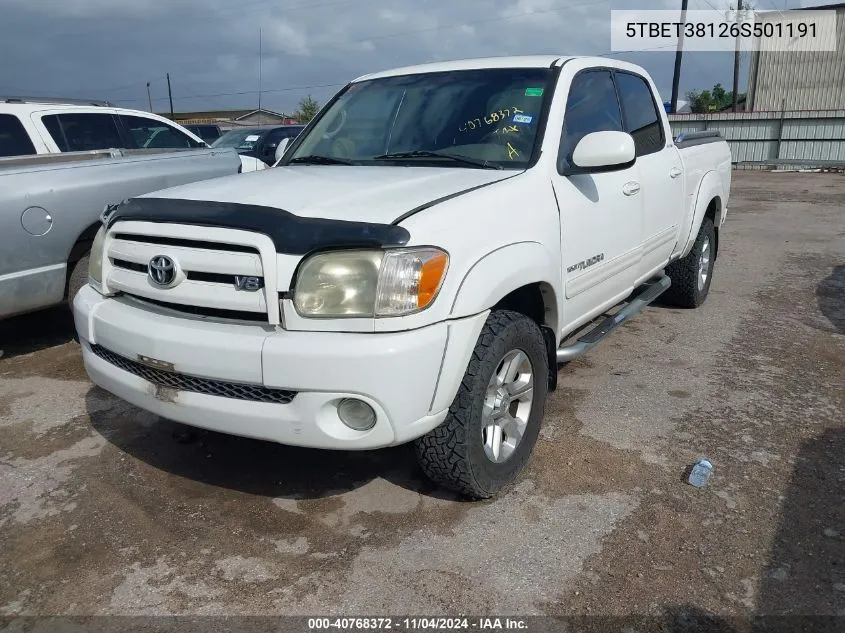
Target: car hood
{"points": [[362, 194]]}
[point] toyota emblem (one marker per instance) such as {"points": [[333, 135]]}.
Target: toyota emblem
{"points": [[162, 270]]}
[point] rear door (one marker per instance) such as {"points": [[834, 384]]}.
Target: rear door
{"points": [[660, 171], [14, 139], [146, 133], [601, 212], [81, 131]]}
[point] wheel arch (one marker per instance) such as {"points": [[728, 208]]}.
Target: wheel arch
{"points": [[714, 212], [495, 282], [708, 203], [79, 249]]}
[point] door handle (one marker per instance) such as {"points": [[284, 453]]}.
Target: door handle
{"points": [[674, 172], [631, 188]]}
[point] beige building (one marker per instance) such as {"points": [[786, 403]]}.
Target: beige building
{"points": [[799, 80], [233, 118]]}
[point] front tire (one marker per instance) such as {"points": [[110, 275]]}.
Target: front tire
{"points": [[494, 421], [692, 274]]}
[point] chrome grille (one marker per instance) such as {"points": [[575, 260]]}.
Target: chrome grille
{"points": [[195, 384], [213, 276]]}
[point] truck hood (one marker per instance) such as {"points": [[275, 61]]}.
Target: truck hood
{"points": [[361, 194]]}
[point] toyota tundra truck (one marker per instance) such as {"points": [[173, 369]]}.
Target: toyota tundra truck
{"points": [[415, 268]]}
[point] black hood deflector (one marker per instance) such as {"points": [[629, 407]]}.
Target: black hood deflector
{"points": [[292, 234]]}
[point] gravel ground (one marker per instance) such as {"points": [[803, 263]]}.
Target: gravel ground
{"points": [[105, 509]]}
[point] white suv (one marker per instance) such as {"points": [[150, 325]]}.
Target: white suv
{"points": [[47, 126]]}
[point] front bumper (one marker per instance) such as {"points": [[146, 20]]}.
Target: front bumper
{"points": [[408, 378]]}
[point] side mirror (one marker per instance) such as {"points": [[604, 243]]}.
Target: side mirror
{"points": [[603, 151], [280, 148]]}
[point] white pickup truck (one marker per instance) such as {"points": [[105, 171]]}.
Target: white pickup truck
{"points": [[415, 268], [34, 125]]}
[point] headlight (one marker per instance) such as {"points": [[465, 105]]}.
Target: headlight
{"points": [[369, 283], [95, 259]]}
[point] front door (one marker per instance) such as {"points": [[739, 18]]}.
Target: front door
{"points": [[661, 174], [601, 213]]}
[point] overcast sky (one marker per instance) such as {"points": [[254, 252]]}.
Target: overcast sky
{"points": [[109, 49]]}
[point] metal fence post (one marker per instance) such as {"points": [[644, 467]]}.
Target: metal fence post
{"points": [[780, 129]]}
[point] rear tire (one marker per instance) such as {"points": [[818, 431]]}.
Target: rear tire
{"points": [[691, 275], [78, 278], [494, 421]]}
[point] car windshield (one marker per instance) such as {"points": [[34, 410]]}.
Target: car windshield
{"points": [[489, 116], [241, 140]]}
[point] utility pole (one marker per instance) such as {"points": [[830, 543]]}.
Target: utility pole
{"points": [[676, 77], [259, 77], [736, 57], [170, 95]]}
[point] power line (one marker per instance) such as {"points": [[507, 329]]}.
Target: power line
{"points": [[191, 87], [389, 36], [367, 39], [402, 34], [243, 92], [92, 91], [710, 4], [343, 83], [514, 16]]}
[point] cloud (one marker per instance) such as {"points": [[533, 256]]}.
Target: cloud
{"points": [[286, 37], [228, 63], [110, 48]]}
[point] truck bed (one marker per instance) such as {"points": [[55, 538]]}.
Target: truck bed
{"points": [[50, 205]]}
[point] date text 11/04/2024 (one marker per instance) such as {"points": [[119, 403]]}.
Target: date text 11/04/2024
{"points": [[417, 624], [723, 29]]}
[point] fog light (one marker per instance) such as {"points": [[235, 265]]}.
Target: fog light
{"points": [[356, 414]]}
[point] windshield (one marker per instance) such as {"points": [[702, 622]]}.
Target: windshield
{"points": [[241, 140], [489, 115]]}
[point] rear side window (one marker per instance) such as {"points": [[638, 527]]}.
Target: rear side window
{"points": [[592, 106], [641, 118], [152, 134], [83, 131], [208, 133], [14, 141], [274, 136]]}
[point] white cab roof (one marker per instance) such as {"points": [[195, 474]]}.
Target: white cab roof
{"points": [[533, 61]]}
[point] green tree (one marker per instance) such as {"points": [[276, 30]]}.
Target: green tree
{"points": [[719, 96], [713, 100], [700, 101], [307, 109]]}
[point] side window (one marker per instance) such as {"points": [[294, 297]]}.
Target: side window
{"points": [[208, 133], [271, 141], [14, 141], [592, 106], [81, 132], [641, 118], [152, 134], [274, 136], [292, 133]]}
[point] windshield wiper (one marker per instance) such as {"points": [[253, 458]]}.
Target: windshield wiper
{"points": [[320, 160], [422, 153]]}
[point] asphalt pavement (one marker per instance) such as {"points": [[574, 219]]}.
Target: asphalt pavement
{"points": [[105, 509]]}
